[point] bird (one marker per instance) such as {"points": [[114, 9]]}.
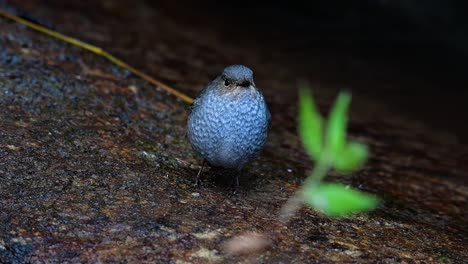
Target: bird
{"points": [[229, 121]]}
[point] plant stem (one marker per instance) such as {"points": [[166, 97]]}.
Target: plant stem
{"points": [[320, 170], [294, 203]]}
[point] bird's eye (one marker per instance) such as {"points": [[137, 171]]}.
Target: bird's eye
{"points": [[227, 83]]}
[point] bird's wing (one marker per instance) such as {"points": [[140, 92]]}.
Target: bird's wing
{"points": [[267, 111], [196, 101], [268, 116]]}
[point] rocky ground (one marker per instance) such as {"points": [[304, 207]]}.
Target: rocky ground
{"points": [[95, 166]]}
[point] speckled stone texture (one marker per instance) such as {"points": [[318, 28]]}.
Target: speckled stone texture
{"points": [[95, 165]]}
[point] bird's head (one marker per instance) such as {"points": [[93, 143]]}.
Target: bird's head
{"points": [[236, 77]]}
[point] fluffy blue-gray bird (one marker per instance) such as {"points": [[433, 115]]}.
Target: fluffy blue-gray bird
{"points": [[229, 121]]}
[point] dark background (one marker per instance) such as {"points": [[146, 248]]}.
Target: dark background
{"points": [[410, 55]]}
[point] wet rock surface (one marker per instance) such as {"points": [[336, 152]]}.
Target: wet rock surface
{"points": [[95, 166]]}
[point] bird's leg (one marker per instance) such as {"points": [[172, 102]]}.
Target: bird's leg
{"points": [[235, 182], [198, 180]]}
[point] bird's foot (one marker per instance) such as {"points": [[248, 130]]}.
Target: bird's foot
{"points": [[235, 184], [198, 180]]}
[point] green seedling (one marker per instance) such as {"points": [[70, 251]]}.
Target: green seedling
{"points": [[327, 145], [329, 148]]}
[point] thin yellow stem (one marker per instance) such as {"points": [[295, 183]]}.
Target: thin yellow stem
{"points": [[99, 51]]}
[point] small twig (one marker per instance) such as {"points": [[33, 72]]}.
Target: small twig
{"points": [[99, 51]]}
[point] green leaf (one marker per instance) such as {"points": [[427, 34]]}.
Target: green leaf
{"points": [[351, 158], [336, 127], [310, 124], [337, 200]]}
